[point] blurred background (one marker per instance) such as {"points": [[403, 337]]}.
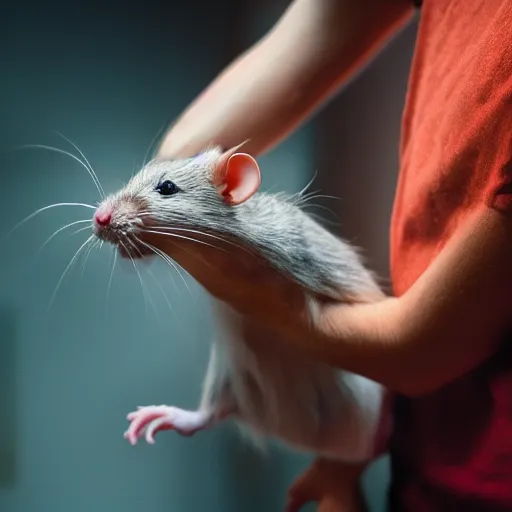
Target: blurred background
{"points": [[111, 77]]}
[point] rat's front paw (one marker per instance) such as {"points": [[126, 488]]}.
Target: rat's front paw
{"points": [[153, 418]]}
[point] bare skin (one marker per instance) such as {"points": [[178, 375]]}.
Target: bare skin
{"points": [[314, 49]]}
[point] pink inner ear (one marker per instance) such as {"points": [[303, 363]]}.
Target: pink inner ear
{"points": [[242, 178]]}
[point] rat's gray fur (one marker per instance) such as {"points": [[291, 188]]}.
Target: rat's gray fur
{"points": [[272, 225], [272, 389]]}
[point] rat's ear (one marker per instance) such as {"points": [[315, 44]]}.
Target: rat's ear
{"points": [[237, 176]]}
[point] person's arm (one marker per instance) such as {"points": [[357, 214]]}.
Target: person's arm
{"points": [[268, 91], [446, 324]]}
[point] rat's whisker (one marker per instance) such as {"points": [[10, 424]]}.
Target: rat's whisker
{"points": [[271, 188], [135, 169], [66, 270], [175, 266], [94, 176], [163, 293], [148, 294], [299, 199], [157, 283], [312, 197], [310, 182], [88, 252], [151, 144], [198, 232], [321, 207], [32, 215], [81, 229], [178, 268], [138, 273], [203, 233], [109, 285], [323, 220], [74, 157], [62, 229], [174, 235], [312, 192]]}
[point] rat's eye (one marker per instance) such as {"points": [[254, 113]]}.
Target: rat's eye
{"points": [[167, 188]]}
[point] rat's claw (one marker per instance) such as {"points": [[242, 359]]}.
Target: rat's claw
{"points": [[140, 419], [153, 418], [163, 423]]}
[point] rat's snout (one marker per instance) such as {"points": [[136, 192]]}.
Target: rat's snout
{"points": [[103, 216], [117, 217]]}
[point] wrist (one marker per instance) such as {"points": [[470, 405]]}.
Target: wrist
{"points": [[359, 338], [374, 322]]}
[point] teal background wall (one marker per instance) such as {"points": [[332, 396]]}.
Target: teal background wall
{"points": [[109, 78]]}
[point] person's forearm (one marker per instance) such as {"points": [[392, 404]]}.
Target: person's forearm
{"points": [[446, 324], [273, 87]]}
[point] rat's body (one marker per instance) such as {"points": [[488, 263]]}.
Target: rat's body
{"points": [[277, 392], [259, 380]]}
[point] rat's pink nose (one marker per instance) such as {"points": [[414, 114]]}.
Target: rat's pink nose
{"points": [[102, 218]]}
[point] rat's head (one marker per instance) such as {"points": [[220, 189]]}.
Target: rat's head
{"points": [[175, 197]]}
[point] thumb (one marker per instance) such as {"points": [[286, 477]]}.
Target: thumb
{"points": [[303, 491], [333, 504], [297, 501]]}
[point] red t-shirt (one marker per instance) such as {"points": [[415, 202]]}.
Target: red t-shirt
{"points": [[452, 450]]}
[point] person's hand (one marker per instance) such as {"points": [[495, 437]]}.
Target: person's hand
{"points": [[333, 485]]}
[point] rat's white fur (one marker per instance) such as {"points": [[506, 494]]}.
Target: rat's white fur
{"points": [[271, 388]]}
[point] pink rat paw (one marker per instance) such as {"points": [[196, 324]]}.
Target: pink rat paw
{"points": [[151, 419]]}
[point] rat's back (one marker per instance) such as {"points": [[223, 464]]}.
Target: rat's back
{"points": [[293, 242]]}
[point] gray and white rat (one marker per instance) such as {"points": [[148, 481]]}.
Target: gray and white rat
{"points": [[206, 213]]}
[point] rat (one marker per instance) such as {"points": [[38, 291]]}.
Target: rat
{"points": [[207, 214]]}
